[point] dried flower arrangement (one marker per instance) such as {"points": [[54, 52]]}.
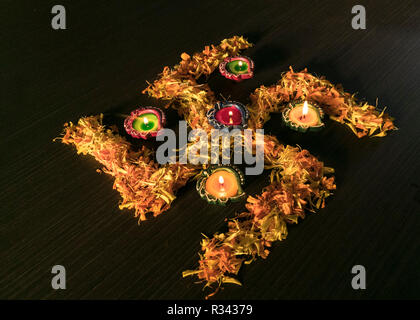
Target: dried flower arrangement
{"points": [[298, 181], [144, 185]]}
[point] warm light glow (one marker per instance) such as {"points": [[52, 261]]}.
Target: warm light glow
{"points": [[240, 63], [145, 120], [305, 109], [230, 117], [221, 180]]}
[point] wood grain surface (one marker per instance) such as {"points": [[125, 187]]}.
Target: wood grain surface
{"points": [[56, 209]]}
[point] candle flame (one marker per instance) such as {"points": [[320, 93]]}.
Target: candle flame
{"points": [[305, 109], [145, 120], [240, 63], [221, 180], [222, 187], [230, 117]]}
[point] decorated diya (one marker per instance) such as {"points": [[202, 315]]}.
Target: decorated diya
{"points": [[237, 68], [219, 184], [229, 115], [303, 116], [144, 122]]}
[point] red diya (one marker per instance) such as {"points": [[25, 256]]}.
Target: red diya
{"points": [[303, 116], [237, 68], [144, 122], [228, 114]]}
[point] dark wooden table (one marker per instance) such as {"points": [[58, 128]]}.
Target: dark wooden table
{"points": [[56, 209]]}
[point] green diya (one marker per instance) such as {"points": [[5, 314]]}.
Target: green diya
{"points": [[144, 122], [237, 68], [220, 184], [303, 116]]}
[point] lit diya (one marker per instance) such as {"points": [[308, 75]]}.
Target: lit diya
{"points": [[237, 68], [219, 184], [144, 122], [228, 114], [303, 116]]}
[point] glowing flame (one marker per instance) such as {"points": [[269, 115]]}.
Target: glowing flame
{"points": [[145, 120], [240, 63], [305, 109], [222, 187], [221, 180], [230, 117]]}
